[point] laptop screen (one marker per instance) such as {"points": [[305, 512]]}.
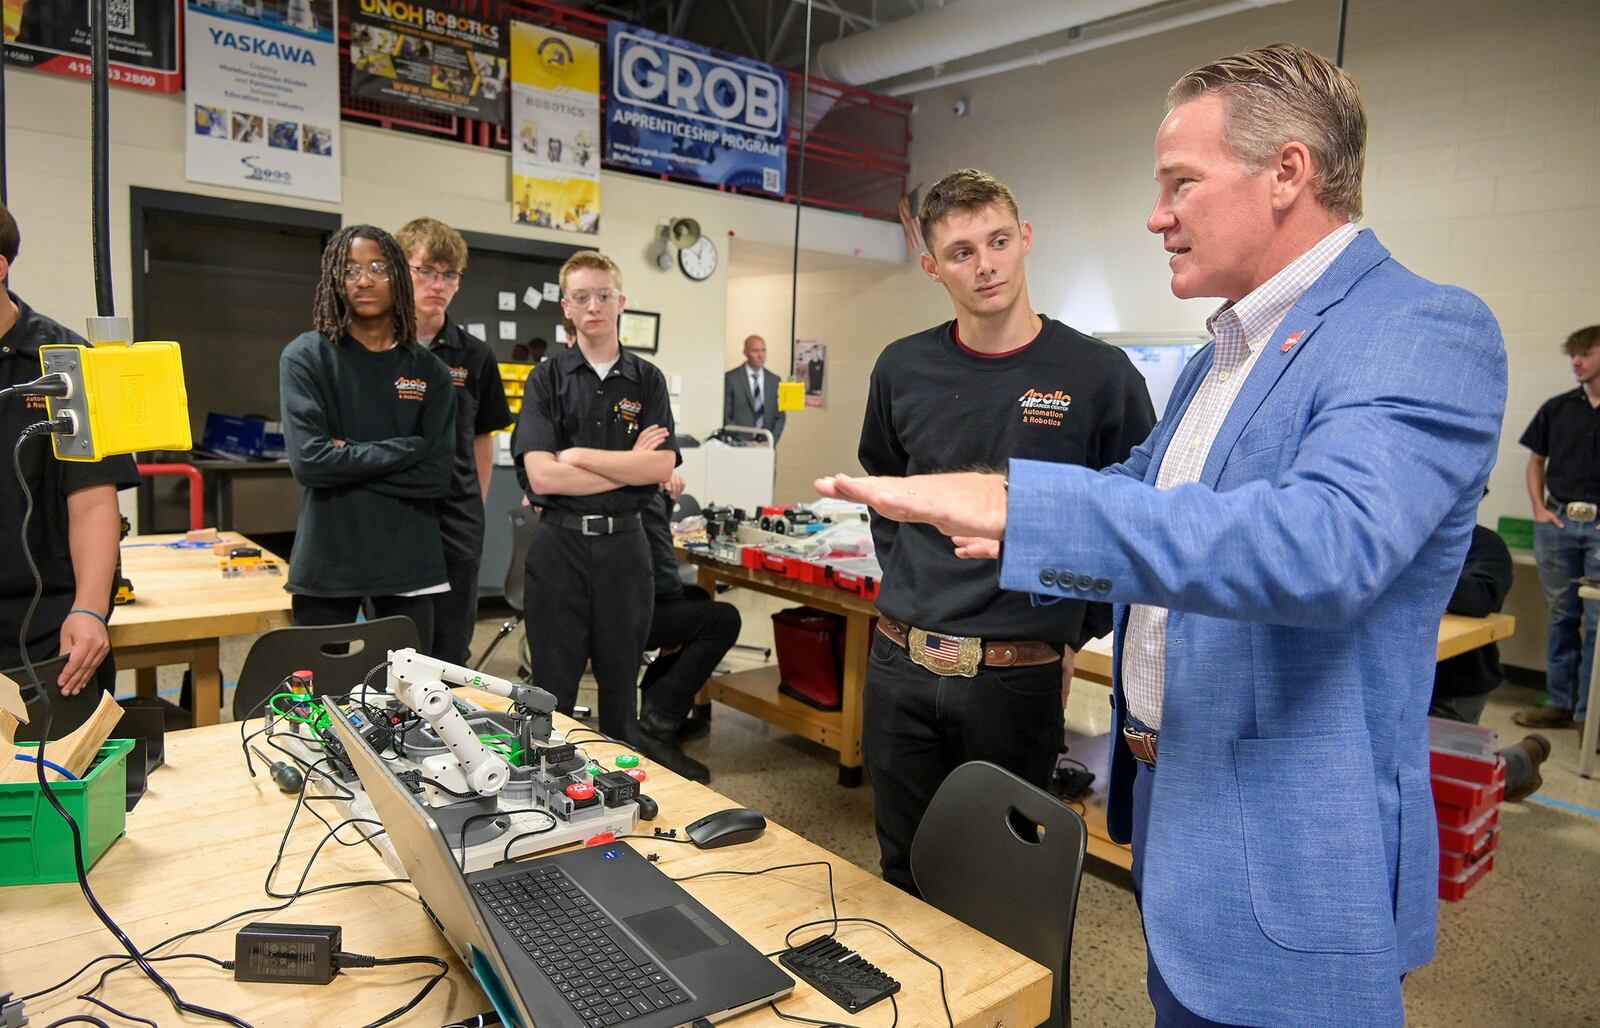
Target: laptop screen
{"points": [[425, 854]]}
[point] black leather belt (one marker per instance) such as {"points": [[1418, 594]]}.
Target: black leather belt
{"points": [[1141, 744], [593, 524]]}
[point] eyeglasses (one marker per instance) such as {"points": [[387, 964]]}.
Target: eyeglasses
{"points": [[378, 270], [584, 298], [427, 274]]}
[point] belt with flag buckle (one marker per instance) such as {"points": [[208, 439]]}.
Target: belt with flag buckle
{"points": [[945, 654]]}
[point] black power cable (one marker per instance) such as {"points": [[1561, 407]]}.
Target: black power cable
{"points": [[37, 430], [100, 146], [800, 193]]}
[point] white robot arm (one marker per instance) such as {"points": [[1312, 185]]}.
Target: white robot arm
{"points": [[422, 683]]}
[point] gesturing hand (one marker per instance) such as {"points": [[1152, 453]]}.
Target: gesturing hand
{"points": [[85, 639], [966, 504]]}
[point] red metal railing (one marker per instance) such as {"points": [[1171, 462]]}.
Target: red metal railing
{"points": [[856, 153], [197, 487]]}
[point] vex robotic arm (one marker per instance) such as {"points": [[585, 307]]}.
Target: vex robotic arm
{"points": [[422, 683]]}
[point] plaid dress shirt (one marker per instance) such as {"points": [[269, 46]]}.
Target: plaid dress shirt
{"points": [[1241, 330]]}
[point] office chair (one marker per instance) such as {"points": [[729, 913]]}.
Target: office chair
{"points": [[985, 818], [325, 651], [523, 522]]}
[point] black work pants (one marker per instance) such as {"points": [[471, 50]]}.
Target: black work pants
{"points": [[341, 610], [455, 613], [587, 600], [917, 727], [706, 630]]}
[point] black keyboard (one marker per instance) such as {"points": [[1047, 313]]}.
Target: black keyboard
{"points": [[604, 974], [839, 973]]}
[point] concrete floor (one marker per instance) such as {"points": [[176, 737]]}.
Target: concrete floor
{"points": [[1520, 949]]}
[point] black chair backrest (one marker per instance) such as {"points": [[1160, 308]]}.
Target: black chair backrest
{"points": [[685, 506], [523, 522], [68, 713], [1006, 858], [338, 656]]}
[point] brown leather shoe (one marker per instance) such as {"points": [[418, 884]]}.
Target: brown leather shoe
{"points": [[1537, 747], [1543, 717]]}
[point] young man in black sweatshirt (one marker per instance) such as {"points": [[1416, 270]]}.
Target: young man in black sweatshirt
{"points": [[594, 441], [960, 669], [438, 257], [369, 425]]}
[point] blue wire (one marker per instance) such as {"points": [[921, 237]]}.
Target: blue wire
{"points": [[52, 765]]}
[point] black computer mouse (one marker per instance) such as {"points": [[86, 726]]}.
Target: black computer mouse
{"points": [[647, 808], [727, 828]]}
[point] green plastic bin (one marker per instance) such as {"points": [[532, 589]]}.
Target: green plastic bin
{"points": [[1517, 532], [36, 844]]}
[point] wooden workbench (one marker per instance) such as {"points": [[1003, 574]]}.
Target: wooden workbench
{"points": [[201, 840], [182, 609], [756, 691]]}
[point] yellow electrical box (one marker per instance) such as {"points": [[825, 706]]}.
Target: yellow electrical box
{"points": [[125, 398], [791, 396]]}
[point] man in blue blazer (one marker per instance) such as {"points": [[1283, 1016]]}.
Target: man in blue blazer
{"points": [[1280, 550]]}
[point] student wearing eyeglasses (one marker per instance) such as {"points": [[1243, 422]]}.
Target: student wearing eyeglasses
{"points": [[369, 426], [594, 441], [437, 256]]}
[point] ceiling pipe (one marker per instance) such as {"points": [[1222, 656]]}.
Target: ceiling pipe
{"points": [[1078, 46], [961, 28]]}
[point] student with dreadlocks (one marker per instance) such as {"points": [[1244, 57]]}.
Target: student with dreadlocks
{"points": [[368, 422]]}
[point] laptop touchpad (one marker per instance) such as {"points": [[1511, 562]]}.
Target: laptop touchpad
{"points": [[675, 932]]}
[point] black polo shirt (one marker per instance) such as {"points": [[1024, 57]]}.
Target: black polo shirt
{"points": [[50, 480], [481, 408], [566, 404], [1567, 432]]}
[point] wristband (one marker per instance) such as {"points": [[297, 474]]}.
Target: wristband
{"points": [[86, 610]]}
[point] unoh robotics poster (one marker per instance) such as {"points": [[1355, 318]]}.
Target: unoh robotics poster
{"points": [[680, 109]]}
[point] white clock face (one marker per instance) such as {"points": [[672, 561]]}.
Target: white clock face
{"points": [[700, 260]]}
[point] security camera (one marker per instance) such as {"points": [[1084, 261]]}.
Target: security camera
{"points": [[961, 107]]}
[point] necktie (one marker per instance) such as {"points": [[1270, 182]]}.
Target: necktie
{"points": [[755, 394]]}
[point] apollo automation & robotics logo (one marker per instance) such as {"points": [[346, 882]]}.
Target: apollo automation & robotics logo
{"points": [[1044, 408]]}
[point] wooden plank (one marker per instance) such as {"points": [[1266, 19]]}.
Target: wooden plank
{"points": [[74, 751], [756, 693]]}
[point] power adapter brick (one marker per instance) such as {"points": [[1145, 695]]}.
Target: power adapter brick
{"points": [[297, 954]]}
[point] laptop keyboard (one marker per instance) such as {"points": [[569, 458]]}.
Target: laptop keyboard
{"points": [[606, 977]]}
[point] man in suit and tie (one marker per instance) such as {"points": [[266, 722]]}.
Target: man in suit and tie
{"points": [[1280, 551], [750, 392]]}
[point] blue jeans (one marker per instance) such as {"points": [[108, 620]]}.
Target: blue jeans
{"points": [[1565, 554]]}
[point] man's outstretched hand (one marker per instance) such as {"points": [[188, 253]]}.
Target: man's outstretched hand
{"points": [[968, 506]]}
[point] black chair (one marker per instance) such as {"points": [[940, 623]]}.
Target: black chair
{"points": [[338, 657], [523, 522], [985, 818]]}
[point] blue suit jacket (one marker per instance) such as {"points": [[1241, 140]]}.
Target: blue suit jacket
{"points": [[1289, 874]]}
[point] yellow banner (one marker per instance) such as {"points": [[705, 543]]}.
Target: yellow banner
{"points": [[555, 119]]}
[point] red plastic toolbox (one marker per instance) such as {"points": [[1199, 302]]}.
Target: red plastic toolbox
{"points": [[810, 645], [1467, 769], [1457, 886], [1452, 864], [1468, 795], [858, 575], [1466, 838]]}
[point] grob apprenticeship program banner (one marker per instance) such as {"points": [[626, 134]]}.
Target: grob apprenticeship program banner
{"points": [[264, 96], [141, 36], [427, 57], [555, 129], [683, 110]]}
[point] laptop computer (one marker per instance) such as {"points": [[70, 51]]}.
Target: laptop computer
{"points": [[593, 937]]}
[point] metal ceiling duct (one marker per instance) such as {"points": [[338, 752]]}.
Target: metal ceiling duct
{"points": [[962, 28]]}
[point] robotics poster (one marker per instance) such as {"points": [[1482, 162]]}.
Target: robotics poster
{"points": [[142, 36], [555, 129], [263, 96], [683, 110], [428, 57]]}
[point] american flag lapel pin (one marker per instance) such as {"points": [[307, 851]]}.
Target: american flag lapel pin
{"points": [[1290, 340]]}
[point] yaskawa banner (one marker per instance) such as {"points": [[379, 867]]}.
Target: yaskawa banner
{"points": [[263, 90], [555, 129], [683, 110]]}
